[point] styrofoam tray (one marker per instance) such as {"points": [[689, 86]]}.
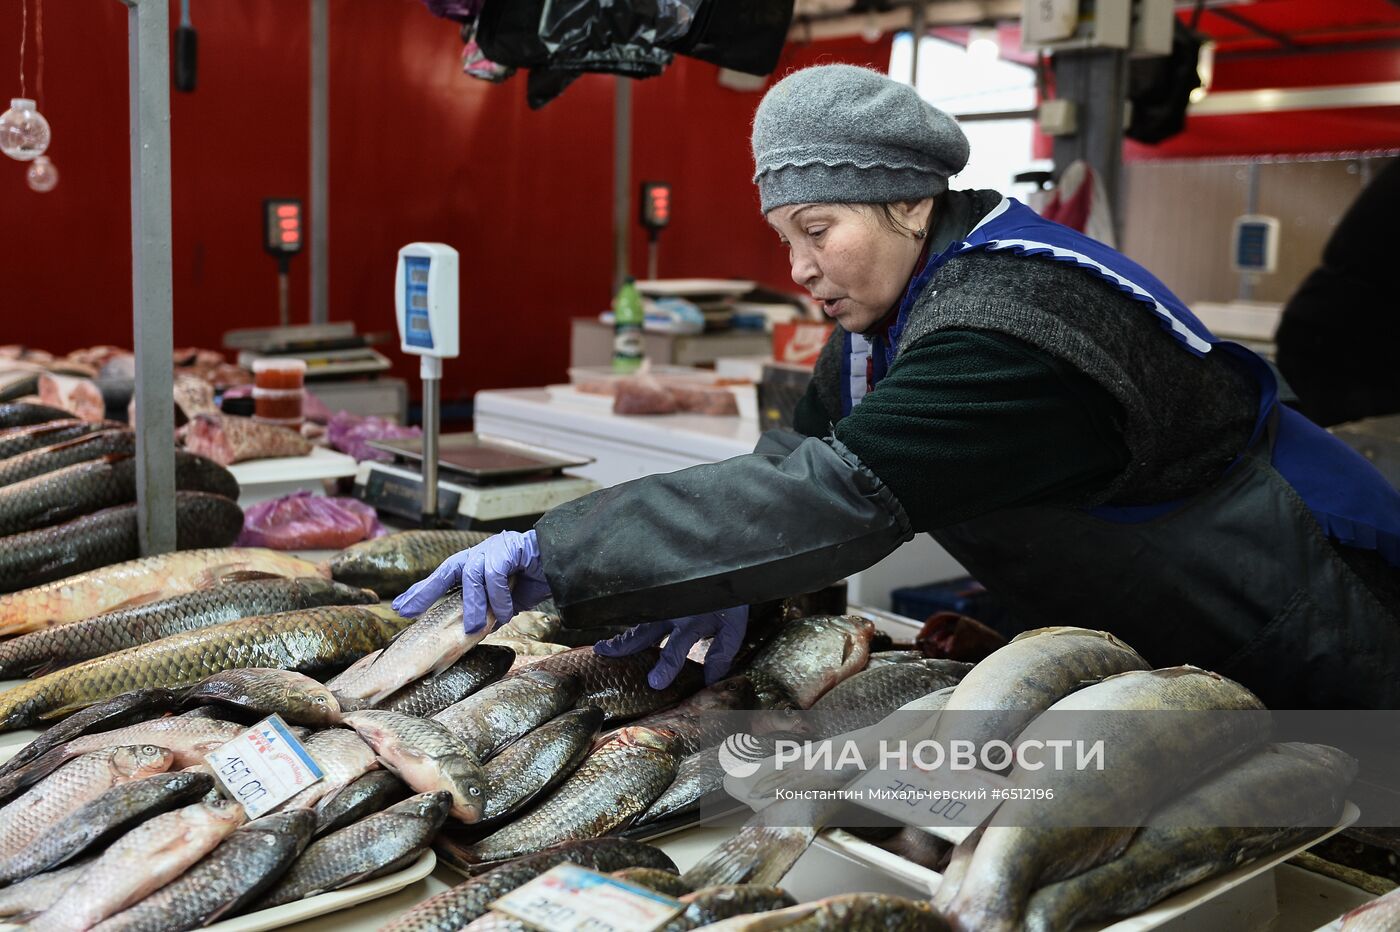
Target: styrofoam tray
{"points": [[312, 906], [320, 463], [1157, 916]]}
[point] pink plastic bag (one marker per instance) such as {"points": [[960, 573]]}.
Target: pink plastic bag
{"points": [[302, 521], [351, 433]]}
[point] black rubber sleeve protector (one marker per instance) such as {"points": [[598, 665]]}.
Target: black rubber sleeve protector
{"points": [[795, 515]]}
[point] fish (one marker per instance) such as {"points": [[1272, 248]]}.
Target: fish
{"points": [[766, 847], [343, 757], [114, 812], [699, 722], [883, 657], [661, 881], [376, 790], [25, 414], [239, 595], [870, 695], [390, 565], [617, 686], [528, 653], [295, 696], [614, 784], [39, 892], [188, 739], [526, 626], [1026, 845], [717, 903], [141, 862], [1379, 915], [1003, 693], [309, 639], [81, 449], [1277, 797], [431, 644], [538, 761], [482, 666], [698, 777], [137, 582], [228, 440], [76, 783], [22, 441], [426, 756], [496, 715], [380, 844], [103, 538], [452, 909], [919, 847], [135, 706], [245, 864], [82, 488], [808, 656], [849, 912]]}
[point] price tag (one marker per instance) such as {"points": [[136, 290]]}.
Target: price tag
{"points": [[946, 803], [569, 898], [264, 767]]}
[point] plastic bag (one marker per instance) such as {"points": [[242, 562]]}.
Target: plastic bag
{"points": [[351, 433], [571, 27], [303, 521]]}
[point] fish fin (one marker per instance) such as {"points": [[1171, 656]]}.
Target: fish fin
{"points": [[139, 599], [49, 666], [109, 459], [219, 573], [63, 711], [34, 771], [246, 576]]}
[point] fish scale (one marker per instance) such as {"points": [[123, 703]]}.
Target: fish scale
{"points": [[390, 565], [26, 442], [617, 686], [307, 640], [24, 414]]}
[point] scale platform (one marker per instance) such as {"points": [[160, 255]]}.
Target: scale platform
{"points": [[484, 483]]}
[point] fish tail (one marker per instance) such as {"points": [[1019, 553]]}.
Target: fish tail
{"points": [[33, 772], [757, 854], [22, 705]]}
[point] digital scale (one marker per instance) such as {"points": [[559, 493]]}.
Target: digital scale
{"points": [[330, 351], [490, 483]]}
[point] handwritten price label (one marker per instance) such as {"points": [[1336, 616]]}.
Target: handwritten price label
{"points": [[264, 767]]}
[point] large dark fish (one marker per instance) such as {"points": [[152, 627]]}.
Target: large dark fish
{"points": [[700, 721], [872, 694], [381, 844], [1269, 801], [617, 686], [120, 808], [661, 881], [809, 656], [363, 796], [617, 782], [109, 536], [82, 488], [1027, 844], [452, 909], [482, 666], [496, 715], [538, 761], [83, 449], [715, 904], [229, 600], [23, 414], [308, 640], [22, 441], [244, 865], [390, 565], [850, 912], [134, 706]]}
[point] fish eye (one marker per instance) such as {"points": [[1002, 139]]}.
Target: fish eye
{"points": [[475, 791]]}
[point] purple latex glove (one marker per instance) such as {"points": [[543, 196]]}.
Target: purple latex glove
{"points": [[726, 627], [502, 571]]}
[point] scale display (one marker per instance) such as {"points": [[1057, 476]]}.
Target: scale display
{"points": [[426, 300]]}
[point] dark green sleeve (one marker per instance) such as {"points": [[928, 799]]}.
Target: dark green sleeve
{"points": [[810, 417], [968, 422]]}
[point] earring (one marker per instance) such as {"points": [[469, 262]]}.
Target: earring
{"points": [[921, 233]]}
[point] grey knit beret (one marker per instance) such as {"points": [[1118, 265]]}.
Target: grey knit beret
{"points": [[845, 134]]}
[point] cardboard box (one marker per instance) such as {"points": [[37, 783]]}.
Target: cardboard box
{"points": [[800, 342]]}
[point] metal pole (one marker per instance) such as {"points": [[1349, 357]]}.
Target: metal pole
{"points": [[1097, 81], [320, 161], [622, 177], [148, 31], [284, 296], [431, 371], [919, 28], [653, 248]]}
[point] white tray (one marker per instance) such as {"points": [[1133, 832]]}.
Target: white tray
{"points": [[320, 463], [1173, 907]]}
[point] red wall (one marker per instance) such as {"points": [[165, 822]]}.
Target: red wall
{"points": [[418, 152]]}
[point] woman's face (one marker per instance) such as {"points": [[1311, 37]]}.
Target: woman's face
{"points": [[848, 258]]}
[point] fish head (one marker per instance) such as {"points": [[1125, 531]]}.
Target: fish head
{"points": [[466, 781], [349, 595], [735, 692], [220, 811], [297, 824], [137, 761], [434, 805]]}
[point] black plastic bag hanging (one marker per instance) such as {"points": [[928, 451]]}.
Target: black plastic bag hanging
{"points": [[572, 27], [1160, 89]]}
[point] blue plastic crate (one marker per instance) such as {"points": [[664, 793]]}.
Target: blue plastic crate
{"points": [[965, 595]]}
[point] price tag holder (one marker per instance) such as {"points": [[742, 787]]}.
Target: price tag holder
{"points": [[263, 767], [569, 898], [949, 804]]}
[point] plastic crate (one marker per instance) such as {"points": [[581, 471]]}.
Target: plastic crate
{"points": [[964, 595]]}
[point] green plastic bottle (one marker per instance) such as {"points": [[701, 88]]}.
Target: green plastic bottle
{"points": [[627, 328]]}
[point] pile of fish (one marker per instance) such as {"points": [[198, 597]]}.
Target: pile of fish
{"points": [[67, 493]]}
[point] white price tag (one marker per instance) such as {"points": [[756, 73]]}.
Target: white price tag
{"points": [[264, 767], [569, 898], [946, 803]]}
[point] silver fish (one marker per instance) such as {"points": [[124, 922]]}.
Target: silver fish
{"points": [[426, 756]]}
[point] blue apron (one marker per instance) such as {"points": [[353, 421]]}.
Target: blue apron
{"points": [[1239, 577]]}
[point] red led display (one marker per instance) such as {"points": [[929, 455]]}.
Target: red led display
{"points": [[656, 204], [282, 226]]}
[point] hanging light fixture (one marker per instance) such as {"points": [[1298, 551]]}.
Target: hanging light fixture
{"points": [[24, 133], [982, 44]]}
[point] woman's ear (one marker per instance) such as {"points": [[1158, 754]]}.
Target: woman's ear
{"points": [[915, 214]]}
